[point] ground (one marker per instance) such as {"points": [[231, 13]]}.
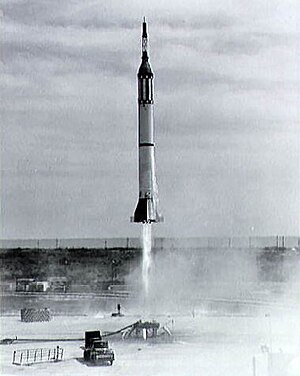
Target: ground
{"points": [[227, 310], [208, 343]]}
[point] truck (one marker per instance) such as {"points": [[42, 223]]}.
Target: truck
{"points": [[96, 349]]}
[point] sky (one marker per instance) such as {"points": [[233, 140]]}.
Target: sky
{"points": [[226, 110]]}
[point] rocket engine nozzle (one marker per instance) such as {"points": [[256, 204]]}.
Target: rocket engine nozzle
{"points": [[146, 211]]}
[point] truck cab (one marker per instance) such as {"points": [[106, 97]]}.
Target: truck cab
{"points": [[96, 349]]}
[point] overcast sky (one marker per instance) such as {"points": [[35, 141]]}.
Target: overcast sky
{"points": [[227, 82]]}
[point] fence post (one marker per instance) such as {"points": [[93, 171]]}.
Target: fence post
{"points": [[254, 366], [21, 357], [27, 357], [14, 357], [57, 351]]}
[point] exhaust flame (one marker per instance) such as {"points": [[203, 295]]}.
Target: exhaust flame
{"points": [[147, 244]]}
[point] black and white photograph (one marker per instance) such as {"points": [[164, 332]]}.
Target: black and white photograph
{"points": [[150, 188]]}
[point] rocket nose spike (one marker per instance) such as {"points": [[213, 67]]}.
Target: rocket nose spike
{"points": [[144, 35]]}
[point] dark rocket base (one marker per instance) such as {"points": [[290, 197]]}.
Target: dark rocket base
{"points": [[145, 212]]}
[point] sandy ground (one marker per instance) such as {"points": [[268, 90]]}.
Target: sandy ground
{"points": [[205, 343]]}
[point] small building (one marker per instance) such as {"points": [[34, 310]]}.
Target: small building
{"points": [[58, 284], [22, 284], [31, 285]]}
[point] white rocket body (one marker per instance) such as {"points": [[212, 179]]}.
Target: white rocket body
{"points": [[147, 206]]}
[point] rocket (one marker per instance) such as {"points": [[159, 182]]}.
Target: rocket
{"points": [[147, 207]]}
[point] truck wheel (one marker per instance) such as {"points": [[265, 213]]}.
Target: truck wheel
{"points": [[86, 355]]}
